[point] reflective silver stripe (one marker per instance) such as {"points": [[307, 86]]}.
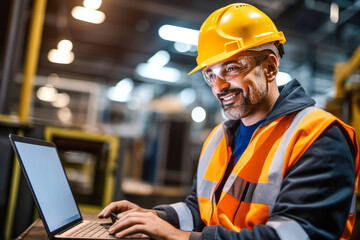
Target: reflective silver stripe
{"points": [[209, 150], [250, 192], [206, 187], [287, 228], [268, 192], [265, 193], [185, 217], [353, 204], [234, 186]]}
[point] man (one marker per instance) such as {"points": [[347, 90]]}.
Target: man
{"points": [[278, 169]]}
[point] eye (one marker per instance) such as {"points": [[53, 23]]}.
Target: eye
{"points": [[211, 76], [231, 68], [234, 69]]}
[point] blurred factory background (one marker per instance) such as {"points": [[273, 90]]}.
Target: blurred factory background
{"points": [[107, 82]]}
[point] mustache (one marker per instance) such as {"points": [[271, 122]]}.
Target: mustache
{"points": [[227, 91]]}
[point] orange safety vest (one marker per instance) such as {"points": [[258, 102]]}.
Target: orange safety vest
{"points": [[271, 153]]}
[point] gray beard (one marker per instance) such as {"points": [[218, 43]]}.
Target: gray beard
{"points": [[243, 110]]}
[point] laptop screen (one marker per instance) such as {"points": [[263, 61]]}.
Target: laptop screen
{"points": [[50, 186]]}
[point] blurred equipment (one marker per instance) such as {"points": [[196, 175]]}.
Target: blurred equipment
{"points": [[167, 161], [346, 104]]}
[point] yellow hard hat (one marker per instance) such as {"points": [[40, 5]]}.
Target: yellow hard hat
{"points": [[233, 29]]}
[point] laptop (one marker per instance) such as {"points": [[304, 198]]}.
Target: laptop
{"points": [[41, 165]]}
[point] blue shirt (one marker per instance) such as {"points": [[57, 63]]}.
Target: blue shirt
{"points": [[242, 138]]}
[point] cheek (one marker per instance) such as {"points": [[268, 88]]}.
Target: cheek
{"points": [[256, 81], [246, 85], [246, 81], [239, 83]]}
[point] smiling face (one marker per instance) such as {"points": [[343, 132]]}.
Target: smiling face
{"points": [[243, 86], [244, 96]]}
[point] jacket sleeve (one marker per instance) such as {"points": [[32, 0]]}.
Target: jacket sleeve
{"points": [[180, 214], [315, 196]]}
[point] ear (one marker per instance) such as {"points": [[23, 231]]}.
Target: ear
{"points": [[271, 68]]}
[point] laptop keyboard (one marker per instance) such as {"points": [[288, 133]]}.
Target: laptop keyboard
{"points": [[92, 230], [96, 230]]}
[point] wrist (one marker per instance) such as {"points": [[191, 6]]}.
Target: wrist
{"points": [[182, 235], [154, 212]]}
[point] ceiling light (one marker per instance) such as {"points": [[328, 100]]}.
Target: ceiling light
{"points": [[121, 92], [47, 93], [179, 34], [62, 100], [334, 12], [88, 15], [154, 68], [64, 114], [93, 4], [198, 114], [115, 94], [182, 47], [166, 74], [57, 56], [160, 59], [63, 54], [65, 45], [126, 85]]}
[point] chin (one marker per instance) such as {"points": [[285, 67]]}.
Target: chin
{"points": [[235, 114]]}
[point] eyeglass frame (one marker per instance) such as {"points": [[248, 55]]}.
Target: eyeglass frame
{"points": [[242, 58]]}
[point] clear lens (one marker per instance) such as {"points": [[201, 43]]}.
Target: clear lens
{"points": [[231, 68]]}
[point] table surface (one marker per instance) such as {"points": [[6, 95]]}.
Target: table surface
{"points": [[37, 230]]}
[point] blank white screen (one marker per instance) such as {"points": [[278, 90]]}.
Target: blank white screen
{"points": [[43, 167]]}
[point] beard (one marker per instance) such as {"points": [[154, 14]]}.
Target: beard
{"points": [[247, 104]]}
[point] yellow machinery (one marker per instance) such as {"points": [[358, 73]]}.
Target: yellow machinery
{"points": [[346, 104]]}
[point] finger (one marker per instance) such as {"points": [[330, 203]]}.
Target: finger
{"points": [[105, 211], [126, 213], [112, 207], [136, 209], [116, 207], [135, 229], [131, 219], [140, 222]]}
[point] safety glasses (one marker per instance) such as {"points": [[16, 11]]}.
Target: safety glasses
{"points": [[233, 67]]}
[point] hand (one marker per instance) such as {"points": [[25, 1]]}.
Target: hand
{"points": [[132, 222], [120, 207]]}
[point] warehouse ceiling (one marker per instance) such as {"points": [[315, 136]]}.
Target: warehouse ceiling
{"points": [[111, 51]]}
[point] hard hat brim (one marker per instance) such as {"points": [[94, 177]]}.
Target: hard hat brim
{"points": [[224, 55], [215, 59]]}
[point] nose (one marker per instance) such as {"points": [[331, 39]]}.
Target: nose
{"points": [[220, 85]]}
